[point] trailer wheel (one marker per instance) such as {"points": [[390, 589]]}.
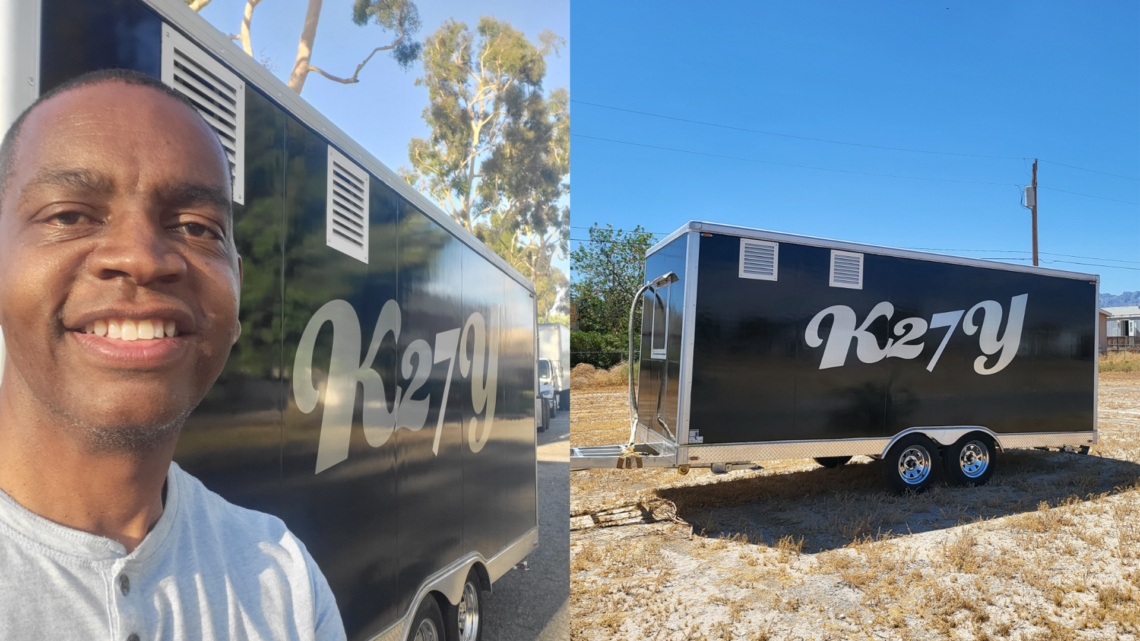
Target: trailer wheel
{"points": [[428, 624], [465, 619], [833, 461], [912, 463], [971, 460]]}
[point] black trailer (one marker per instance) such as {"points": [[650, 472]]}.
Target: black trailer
{"points": [[758, 345], [381, 399]]}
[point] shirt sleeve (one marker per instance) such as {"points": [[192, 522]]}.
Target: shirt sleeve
{"points": [[326, 616]]}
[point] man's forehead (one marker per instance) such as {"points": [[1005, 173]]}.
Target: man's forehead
{"points": [[113, 117]]}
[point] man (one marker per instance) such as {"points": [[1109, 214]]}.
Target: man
{"points": [[119, 288]]}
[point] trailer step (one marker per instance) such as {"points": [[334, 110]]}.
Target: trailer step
{"points": [[618, 457]]}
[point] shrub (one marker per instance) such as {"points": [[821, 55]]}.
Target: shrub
{"points": [[597, 349]]}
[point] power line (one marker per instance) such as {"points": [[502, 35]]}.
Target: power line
{"points": [[1127, 202], [784, 164], [1021, 251], [772, 133], [839, 142], [1092, 170]]}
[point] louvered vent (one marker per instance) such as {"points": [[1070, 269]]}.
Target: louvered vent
{"points": [[347, 213], [846, 270], [217, 92], [759, 259]]}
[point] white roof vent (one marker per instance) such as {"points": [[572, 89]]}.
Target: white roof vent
{"points": [[846, 270], [217, 92], [347, 213], [759, 259]]}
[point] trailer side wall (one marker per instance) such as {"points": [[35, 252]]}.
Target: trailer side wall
{"points": [[756, 378]]}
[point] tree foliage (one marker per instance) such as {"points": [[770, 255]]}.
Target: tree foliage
{"points": [[498, 158], [401, 17], [608, 270]]}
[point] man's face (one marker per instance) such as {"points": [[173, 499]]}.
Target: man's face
{"points": [[115, 221]]}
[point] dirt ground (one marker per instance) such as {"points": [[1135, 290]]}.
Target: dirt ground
{"points": [[1049, 549]]}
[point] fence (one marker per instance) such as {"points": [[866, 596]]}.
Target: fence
{"points": [[1123, 344]]}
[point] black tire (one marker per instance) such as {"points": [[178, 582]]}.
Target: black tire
{"points": [[464, 620], [912, 464], [970, 461], [428, 623], [833, 461], [553, 407], [565, 399]]}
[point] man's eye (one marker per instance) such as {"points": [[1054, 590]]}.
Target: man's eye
{"points": [[67, 218], [198, 231]]}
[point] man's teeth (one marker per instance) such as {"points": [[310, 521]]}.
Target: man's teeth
{"points": [[131, 330]]}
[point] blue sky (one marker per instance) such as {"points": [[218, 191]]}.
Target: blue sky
{"points": [[383, 111], [1055, 80]]}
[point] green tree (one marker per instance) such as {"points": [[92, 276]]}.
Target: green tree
{"points": [[401, 17], [498, 158], [607, 272]]}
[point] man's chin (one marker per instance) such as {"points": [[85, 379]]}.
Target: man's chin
{"points": [[130, 439], [134, 430]]}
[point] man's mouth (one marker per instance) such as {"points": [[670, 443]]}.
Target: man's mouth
{"points": [[127, 329]]}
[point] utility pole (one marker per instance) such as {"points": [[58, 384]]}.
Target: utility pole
{"points": [[1034, 211]]}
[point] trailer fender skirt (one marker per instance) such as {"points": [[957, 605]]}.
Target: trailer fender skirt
{"points": [[945, 435]]}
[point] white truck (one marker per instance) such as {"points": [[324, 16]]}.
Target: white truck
{"points": [[554, 346]]}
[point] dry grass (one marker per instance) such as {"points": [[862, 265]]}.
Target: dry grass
{"points": [[1120, 362], [1050, 549], [586, 376]]}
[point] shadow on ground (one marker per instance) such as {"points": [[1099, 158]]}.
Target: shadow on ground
{"points": [[830, 508]]}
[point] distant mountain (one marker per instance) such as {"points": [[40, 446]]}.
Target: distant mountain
{"points": [[1120, 300]]}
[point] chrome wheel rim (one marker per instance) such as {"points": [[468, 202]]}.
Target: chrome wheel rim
{"points": [[469, 613], [974, 459], [426, 631], [914, 465]]}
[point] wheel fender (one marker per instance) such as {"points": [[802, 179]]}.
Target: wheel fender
{"points": [[944, 435], [451, 587]]}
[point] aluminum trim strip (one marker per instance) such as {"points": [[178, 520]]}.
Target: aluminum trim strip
{"points": [[776, 450], [688, 338], [878, 250], [205, 35], [1096, 361]]}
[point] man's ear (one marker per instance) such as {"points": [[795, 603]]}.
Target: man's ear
{"points": [[241, 281]]}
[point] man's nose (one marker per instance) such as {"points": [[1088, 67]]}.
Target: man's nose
{"points": [[138, 248]]}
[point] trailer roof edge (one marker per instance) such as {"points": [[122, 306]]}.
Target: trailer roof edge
{"points": [[881, 250], [178, 14]]}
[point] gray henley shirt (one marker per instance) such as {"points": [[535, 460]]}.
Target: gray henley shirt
{"points": [[208, 570]]}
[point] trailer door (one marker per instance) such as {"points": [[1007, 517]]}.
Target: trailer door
{"points": [[661, 324]]}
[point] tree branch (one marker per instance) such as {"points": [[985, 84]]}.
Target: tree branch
{"points": [[198, 5], [305, 47], [246, 45], [355, 79]]}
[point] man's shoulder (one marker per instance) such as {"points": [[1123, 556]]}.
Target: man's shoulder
{"points": [[208, 514]]}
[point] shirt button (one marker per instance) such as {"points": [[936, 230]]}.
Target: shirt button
{"points": [[125, 586], [133, 637]]}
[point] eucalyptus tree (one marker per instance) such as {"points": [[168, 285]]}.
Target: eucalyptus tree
{"points": [[498, 157]]}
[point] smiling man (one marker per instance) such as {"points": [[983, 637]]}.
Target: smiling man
{"points": [[119, 289]]}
